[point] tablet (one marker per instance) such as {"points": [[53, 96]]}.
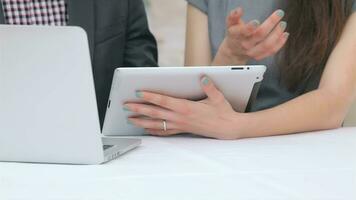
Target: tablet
{"points": [[239, 84]]}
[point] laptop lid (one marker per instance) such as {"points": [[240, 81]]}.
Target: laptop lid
{"points": [[48, 110]]}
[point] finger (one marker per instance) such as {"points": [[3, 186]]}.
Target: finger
{"points": [[269, 44], [267, 26], [234, 17], [251, 27], [204, 101], [214, 95], [161, 133], [279, 45], [152, 123], [174, 104], [243, 31], [151, 111]]}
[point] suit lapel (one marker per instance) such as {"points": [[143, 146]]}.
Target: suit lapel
{"points": [[2, 16], [81, 13]]}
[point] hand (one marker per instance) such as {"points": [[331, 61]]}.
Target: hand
{"points": [[245, 41], [213, 117]]}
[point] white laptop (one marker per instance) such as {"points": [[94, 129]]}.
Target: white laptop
{"points": [[48, 109]]}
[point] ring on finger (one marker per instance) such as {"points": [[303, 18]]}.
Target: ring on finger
{"points": [[165, 125]]}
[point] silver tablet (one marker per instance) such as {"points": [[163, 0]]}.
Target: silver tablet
{"points": [[238, 83]]}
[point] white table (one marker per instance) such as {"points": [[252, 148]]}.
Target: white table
{"points": [[304, 166]]}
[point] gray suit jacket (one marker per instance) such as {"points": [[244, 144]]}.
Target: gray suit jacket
{"points": [[118, 36]]}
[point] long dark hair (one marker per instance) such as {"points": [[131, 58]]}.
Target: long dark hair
{"points": [[315, 27]]}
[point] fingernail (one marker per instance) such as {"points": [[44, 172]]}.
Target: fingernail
{"points": [[256, 23], [205, 81], [286, 35], [139, 94], [280, 13], [283, 25], [126, 108]]}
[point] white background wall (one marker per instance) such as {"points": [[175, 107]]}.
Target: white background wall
{"points": [[167, 20]]}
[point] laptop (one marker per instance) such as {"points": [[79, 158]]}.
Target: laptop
{"points": [[48, 108]]}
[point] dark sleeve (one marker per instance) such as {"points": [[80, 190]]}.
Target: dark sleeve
{"points": [[354, 7], [141, 46], [200, 4]]}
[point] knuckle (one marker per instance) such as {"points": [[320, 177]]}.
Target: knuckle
{"points": [[162, 100], [145, 123], [259, 33], [154, 113], [141, 123], [136, 109]]}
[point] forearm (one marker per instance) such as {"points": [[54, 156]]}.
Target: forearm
{"points": [[324, 108], [313, 111]]}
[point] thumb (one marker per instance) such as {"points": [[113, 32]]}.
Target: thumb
{"points": [[209, 88]]}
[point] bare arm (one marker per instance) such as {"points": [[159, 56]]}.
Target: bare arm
{"points": [[197, 47], [324, 108]]}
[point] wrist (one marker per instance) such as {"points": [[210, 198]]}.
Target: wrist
{"points": [[232, 127], [227, 56], [241, 123]]}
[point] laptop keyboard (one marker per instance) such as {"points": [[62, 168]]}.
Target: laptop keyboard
{"points": [[107, 146]]}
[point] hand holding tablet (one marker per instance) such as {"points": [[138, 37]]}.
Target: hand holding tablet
{"points": [[172, 89], [170, 116]]}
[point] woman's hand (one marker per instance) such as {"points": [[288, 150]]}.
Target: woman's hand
{"points": [[245, 41], [213, 117]]}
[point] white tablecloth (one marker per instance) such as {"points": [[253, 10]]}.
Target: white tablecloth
{"points": [[305, 166]]}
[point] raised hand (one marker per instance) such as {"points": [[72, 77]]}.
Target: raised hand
{"points": [[252, 40]]}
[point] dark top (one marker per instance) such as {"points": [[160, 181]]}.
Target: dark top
{"points": [[118, 37], [272, 92]]}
